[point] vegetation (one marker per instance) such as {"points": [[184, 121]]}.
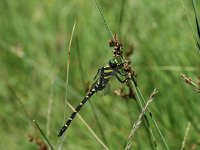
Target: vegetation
{"points": [[34, 40]]}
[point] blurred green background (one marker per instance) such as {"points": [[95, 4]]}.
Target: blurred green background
{"points": [[34, 39]]}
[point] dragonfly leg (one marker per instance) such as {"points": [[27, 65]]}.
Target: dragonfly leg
{"points": [[120, 80], [95, 77], [123, 74]]}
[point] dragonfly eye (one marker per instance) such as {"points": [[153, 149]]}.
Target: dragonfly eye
{"points": [[113, 63]]}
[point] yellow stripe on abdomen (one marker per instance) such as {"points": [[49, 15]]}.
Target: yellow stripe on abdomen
{"points": [[107, 77], [108, 71]]}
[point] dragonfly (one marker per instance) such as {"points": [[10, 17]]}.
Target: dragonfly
{"points": [[102, 78]]}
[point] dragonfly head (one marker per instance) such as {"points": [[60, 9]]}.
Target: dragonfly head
{"points": [[113, 63]]}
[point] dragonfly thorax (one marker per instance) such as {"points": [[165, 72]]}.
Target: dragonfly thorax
{"points": [[113, 63]]}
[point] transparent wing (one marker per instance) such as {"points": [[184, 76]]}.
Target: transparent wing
{"points": [[105, 91]]}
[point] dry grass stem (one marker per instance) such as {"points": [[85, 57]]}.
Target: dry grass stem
{"points": [[139, 120], [189, 81]]}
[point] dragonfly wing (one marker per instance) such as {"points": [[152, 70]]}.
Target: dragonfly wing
{"points": [[106, 90]]}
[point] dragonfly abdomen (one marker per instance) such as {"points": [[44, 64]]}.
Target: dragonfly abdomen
{"points": [[73, 115]]}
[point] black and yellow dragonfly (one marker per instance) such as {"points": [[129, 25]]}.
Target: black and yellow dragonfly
{"points": [[101, 80]]}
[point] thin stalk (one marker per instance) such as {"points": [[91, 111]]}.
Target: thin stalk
{"points": [[104, 21], [185, 136], [154, 121], [37, 125], [68, 64], [146, 121], [197, 24], [139, 120], [67, 82], [189, 21]]}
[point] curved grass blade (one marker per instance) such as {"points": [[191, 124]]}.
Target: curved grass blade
{"points": [[67, 81]]}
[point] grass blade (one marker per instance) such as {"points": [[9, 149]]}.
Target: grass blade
{"points": [[36, 124], [197, 42], [104, 21], [66, 84], [197, 24], [185, 136], [68, 64]]}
